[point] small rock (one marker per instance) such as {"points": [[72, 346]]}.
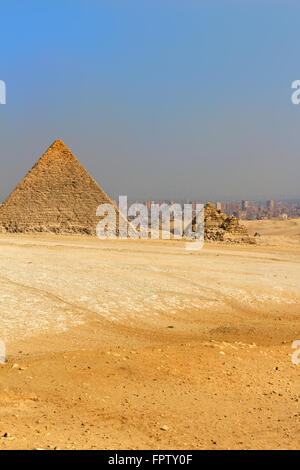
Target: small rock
{"points": [[164, 428]]}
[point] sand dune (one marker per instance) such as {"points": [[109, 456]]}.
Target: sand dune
{"points": [[286, 229], [142, 344]]}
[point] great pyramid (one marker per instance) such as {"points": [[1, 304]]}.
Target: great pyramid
{"points": [[57, 195]]}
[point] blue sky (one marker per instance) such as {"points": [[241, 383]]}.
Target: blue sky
{"points": [[157, 99]]}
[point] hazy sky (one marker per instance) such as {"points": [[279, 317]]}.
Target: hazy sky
{"points": [[157, 99]]}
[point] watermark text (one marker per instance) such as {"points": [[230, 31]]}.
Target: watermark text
{"points": [[2, 92]]}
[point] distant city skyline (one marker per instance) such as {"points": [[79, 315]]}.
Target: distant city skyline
{"points": [[165, 100]]}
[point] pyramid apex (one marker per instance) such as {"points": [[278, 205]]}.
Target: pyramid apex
{"points": [[58, 144]]}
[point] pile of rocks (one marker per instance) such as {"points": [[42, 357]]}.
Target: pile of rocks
{"points": [[221, 227]]}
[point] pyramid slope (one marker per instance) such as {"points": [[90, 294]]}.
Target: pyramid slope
{"points": [[57, 195]]}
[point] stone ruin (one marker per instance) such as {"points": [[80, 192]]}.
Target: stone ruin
{"points": [[221, 227]]}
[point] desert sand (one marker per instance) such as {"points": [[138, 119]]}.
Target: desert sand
{"points": [[124, 344]]}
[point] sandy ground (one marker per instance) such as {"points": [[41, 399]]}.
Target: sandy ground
{"points": [[144, 345]]}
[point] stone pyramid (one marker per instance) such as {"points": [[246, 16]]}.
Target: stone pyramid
{"points": [[57, 195], [221, 227]]}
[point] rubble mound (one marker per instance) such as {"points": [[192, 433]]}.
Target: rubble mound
{"points": [[221, 227]]}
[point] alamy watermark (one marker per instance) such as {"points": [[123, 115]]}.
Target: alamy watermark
{"points": [[296, 354], [295, 97], [2, 92], [2, 353], [156, 221]]}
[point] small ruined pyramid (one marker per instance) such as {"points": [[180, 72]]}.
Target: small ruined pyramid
{"points": [[57, 195], [221, 227]]}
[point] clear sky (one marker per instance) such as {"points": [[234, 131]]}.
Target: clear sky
{"points": [[157, 99]]}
